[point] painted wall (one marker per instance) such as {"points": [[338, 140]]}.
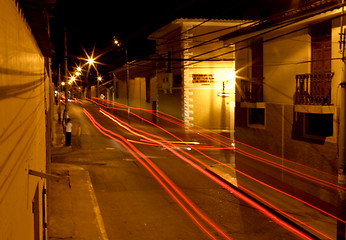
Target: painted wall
{"points": [[283, 58], [23, 101], [199, 103], [282, 134], [137, 92], [170, 103]]}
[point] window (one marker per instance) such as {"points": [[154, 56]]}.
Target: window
{"points": [[177, 80], [147, 89], [256, 116], [320, 125], [321, 47], [117, 89], [252, 89], [257, 70]]}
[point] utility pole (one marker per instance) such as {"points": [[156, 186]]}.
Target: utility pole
{"points": [[342, 139], [342, 160], [127, 84], [65, 73]]}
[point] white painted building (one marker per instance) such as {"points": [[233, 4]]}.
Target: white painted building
{"points": [[196, 68], [287, 74]]}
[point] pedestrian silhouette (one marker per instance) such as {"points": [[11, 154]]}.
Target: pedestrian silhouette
{"points": [[68, 132]]}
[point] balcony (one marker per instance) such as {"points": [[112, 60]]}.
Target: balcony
{"points": [[313, 89]]}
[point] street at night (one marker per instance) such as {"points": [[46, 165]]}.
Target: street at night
{"points": [[186, 120], [146, 190], [135, 205]]}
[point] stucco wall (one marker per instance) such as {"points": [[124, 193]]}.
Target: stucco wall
{"points": [[22, 123], [283, 133], [283, 58], [170, 103], [202, 106]]}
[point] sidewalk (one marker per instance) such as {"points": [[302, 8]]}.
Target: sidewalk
{"points": [[295, 208], [73, 212]]}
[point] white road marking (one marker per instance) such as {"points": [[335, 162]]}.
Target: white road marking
{"points": [[103, 233]]}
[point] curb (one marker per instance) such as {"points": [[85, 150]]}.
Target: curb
{"points": [[225, 177]]}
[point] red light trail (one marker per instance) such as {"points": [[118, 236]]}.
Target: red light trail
{"points": [[134, 151], [212, 177], [159, 141], [227, 145]]}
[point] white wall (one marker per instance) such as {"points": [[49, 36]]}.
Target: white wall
{"points": [[283, 59], [202, 106]]}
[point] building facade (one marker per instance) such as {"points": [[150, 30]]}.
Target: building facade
{"points": [[134, 84], [191, 76], [287, 77], [196, 72], [25, 120]]}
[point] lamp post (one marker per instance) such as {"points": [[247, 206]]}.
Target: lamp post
{"points": [[90, 61], [65, 71], [117, 43], [98, 86], [127, 82]]}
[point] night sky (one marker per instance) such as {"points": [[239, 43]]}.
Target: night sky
{"points": [[92, 24]]}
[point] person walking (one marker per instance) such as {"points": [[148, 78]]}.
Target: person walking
{"points": [[68, 131]]}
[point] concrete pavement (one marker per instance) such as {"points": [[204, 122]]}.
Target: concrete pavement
{"points": [[73, 211]]}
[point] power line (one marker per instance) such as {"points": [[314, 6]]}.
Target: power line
{"points": [[194, 61]]}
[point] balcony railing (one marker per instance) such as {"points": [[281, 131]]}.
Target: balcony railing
{"points": [[314, 89], [251, 91]]}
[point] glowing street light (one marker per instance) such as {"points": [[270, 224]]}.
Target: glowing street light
{"points": [[99, 78], [91, 61], [116, 42]]}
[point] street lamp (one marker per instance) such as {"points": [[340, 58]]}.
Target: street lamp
{"points": [[91, 60], [99, 79], [118, 44]]}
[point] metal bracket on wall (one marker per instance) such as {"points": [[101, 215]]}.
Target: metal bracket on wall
{"points": [[49, 176]]}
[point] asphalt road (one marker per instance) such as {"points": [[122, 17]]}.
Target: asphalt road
{"points": [[135, 204]]}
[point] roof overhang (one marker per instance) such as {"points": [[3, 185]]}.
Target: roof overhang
{"points": [[35, 12], [192, 22], [286, 23]]}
